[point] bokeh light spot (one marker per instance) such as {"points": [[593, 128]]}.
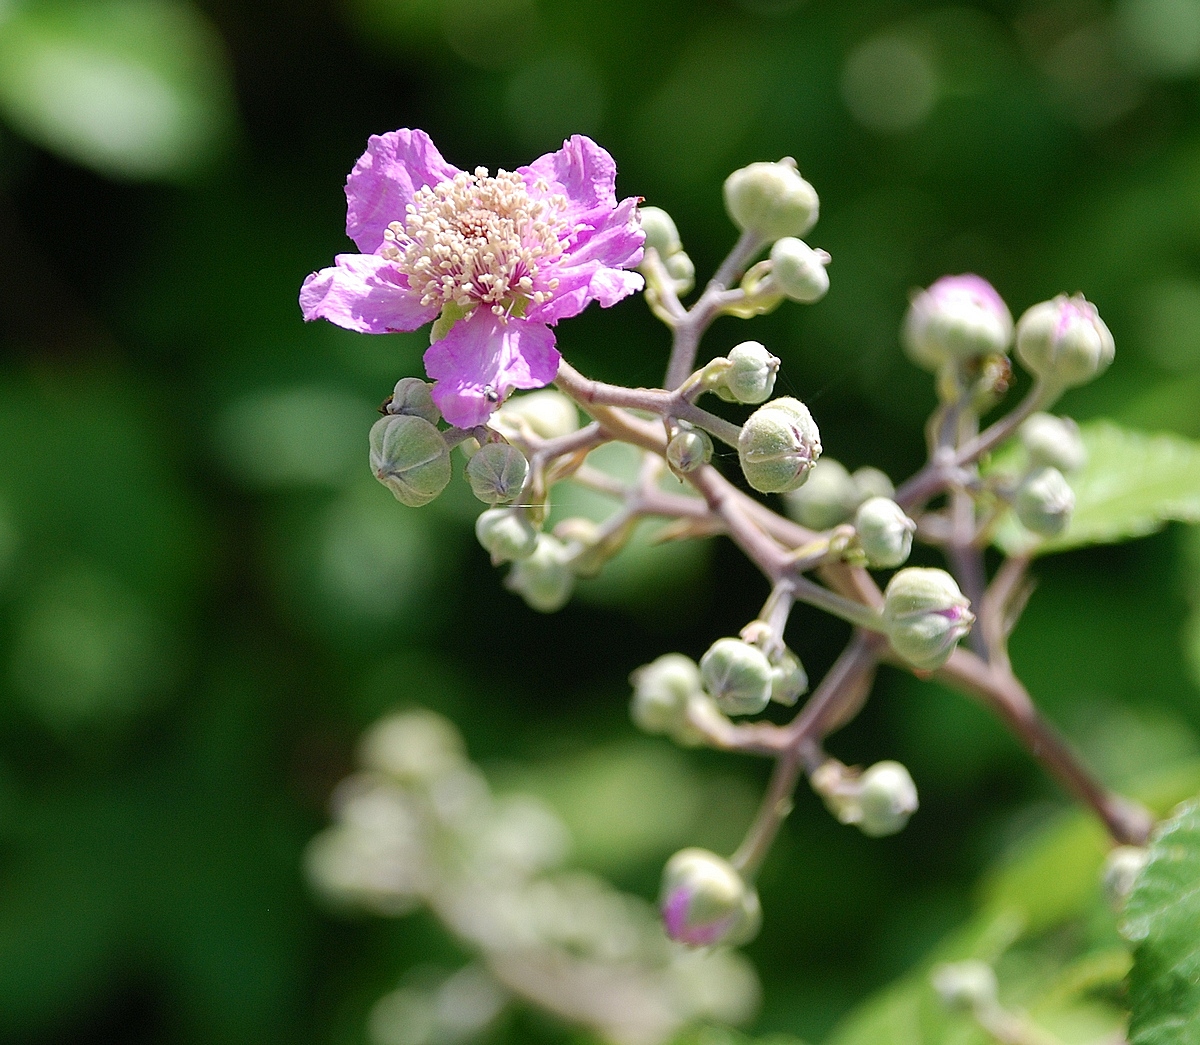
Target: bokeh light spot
{"points": [[889, 84], [1163, 35], [87, 649], [305, 436]]}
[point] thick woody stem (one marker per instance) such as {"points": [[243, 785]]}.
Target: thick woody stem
{"points": [[748, 244], [1003, 597], [766, 553], [683, 351], [844, 684], [999, 690]]}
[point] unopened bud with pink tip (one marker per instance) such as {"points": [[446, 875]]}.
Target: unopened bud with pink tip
{"points": [[704, 901], [958, 318], [925, 615], [778, 446], [1064, 341]]}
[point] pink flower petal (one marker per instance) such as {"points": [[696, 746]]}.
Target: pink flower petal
{"points": [[582, 171], [590, 269], [364, 292], [483, 354], [580, 286], [383, 181], [615, 240]]}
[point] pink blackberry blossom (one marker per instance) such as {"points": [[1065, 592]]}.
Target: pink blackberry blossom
{"points": [[506, 256]]}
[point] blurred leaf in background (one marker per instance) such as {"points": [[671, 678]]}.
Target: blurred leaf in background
{"points": [[135, 89]]}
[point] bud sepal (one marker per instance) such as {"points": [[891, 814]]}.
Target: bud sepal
{"points": [[496, 472], [778, 445], [737, 676], [410, 457]]}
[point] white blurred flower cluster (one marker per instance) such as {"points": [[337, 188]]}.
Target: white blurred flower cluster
{"points": [[418, 826]]}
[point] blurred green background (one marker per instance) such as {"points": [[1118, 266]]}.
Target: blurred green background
{"points": [[205, 597]]}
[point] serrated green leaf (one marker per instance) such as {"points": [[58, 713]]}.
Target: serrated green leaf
{"points": [[1162, 917], [1133, 483], [131, 88]]}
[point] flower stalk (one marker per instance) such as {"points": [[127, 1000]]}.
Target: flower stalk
{"points": [[498, 260]]}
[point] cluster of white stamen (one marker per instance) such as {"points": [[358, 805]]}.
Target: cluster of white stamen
{"points": [[476, 240]]}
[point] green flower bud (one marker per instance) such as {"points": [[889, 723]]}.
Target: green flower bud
{"points": [[682, 270], [688, 449], [1054, 441], [887, 797], [737, 676], [412, 746], [496, 472], [548, 413], [1044, 502], [925, 615], [798, 270], [661, 691], [544, 579], [827, 498], [871, 482], [885, 533], [788, 679], [969, 985], [412, 396], [778, 446], [661, 233], [958, 318], [506, 535], [1064, 341], [409, 456], [704, 901], [750, 377], [1120, 873], [771, 200]]}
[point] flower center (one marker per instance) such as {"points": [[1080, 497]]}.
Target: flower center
{"points": [[476, 240]]}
